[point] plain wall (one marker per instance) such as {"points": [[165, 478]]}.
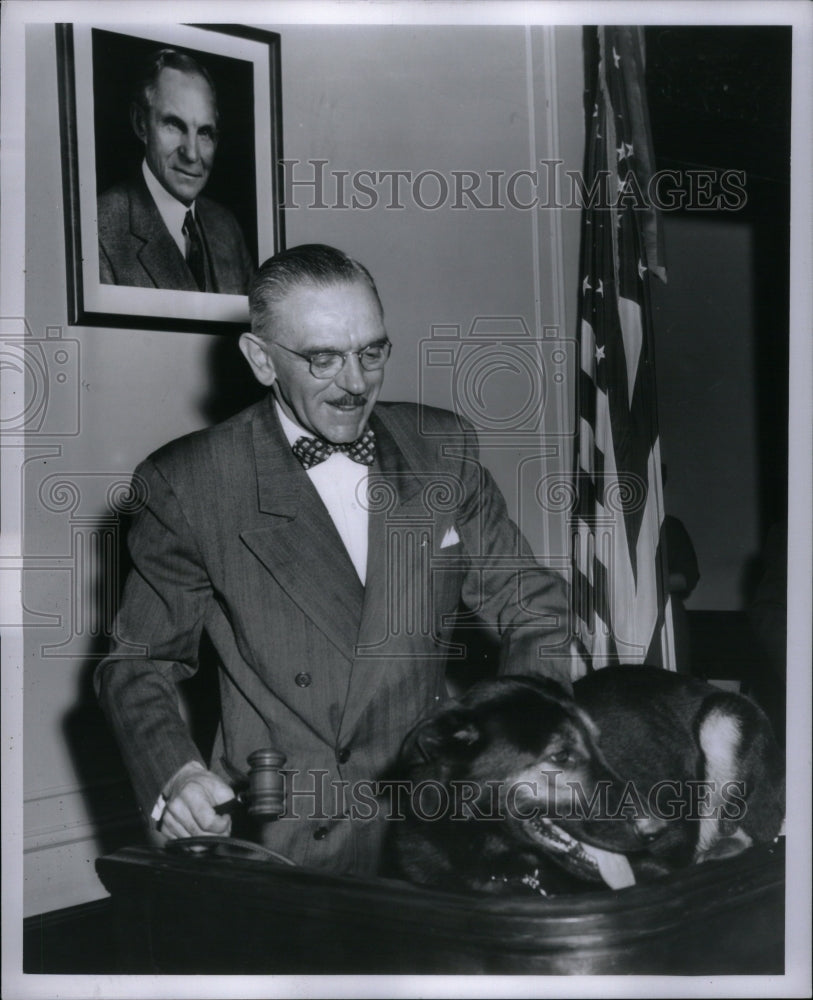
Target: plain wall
{"points": [[705, 362]]}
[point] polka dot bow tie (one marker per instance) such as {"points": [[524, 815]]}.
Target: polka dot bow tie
{"points": [[311, 451]]}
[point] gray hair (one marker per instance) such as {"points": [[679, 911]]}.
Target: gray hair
{"points": [[312, 264], [163, 59]]}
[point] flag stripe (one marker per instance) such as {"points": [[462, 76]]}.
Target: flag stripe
{"points": [[620, 601]]}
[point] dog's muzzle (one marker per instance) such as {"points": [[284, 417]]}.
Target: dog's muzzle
{"points": [[582, 860]]}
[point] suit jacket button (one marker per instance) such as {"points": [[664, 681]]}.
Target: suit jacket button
{"points": [[343, 755], [303, 680], [320, 833]]}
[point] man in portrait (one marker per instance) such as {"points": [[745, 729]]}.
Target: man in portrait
{"points": [[157, 229]]}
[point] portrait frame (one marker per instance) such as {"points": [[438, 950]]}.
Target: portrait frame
{"points": [[95, 67]]}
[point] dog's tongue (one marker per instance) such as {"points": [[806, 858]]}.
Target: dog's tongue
{"points": [[614, 868]]}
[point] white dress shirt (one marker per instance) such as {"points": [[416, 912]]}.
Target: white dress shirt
{"points": [[342, 485], [172, 211]]}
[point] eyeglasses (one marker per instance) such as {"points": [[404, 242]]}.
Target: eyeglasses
{"points": [[328, 364]]}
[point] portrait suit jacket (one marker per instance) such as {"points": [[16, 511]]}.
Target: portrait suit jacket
{"points": [[234, 539], [136, 248]]}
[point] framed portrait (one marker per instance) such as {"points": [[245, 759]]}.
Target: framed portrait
{"points": [[157, 122]]}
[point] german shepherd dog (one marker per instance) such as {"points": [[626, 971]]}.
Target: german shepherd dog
{"points": [[518, 786]]}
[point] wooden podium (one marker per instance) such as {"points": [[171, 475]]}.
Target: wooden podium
{"points": [[210, 914]]}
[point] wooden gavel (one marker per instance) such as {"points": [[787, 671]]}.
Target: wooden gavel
{"points": [[266, 786], [262, 790]]}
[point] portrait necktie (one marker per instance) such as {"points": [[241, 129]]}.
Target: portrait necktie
{"points": [[311, 451], [195, 254]]}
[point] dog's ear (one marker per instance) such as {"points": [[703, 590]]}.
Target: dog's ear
{"points": [[451, 734]]}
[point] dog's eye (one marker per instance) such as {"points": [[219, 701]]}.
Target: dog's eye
{"points": [[559, 757]]}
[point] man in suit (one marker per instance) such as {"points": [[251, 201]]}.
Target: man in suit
{"points": [[156, 230], [324, 542]]}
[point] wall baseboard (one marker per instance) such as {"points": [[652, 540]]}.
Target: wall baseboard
{"points": [[75, 940]]}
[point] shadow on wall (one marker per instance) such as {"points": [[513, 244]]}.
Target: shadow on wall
{"points": [[109, 799], [232, 387], [95, 756]]}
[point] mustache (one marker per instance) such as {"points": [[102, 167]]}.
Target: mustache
{"points": [[348, 399]]}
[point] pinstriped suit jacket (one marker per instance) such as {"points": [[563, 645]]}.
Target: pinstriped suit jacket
{"points": [[136, 249], [234, 539]]}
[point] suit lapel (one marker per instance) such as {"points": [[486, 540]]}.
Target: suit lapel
{"points": [[299, 544], [392, 485], [394, 488], [159, 255]]}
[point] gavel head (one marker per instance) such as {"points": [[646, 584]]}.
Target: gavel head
{"points": [[266, 786]]}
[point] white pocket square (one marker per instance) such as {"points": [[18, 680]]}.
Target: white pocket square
{"points": [[450, 538]]}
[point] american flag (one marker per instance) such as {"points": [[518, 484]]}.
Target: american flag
{"points": [[621, 603]]}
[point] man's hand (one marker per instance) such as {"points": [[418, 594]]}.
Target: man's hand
{"points": [[191, 797]]}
